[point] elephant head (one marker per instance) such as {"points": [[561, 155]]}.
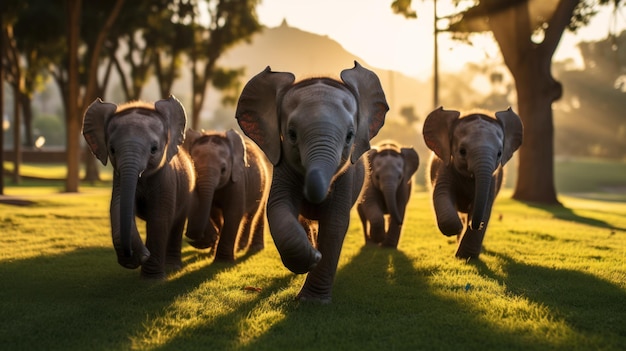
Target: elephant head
{"points": [[311, 131], [390, 167], [138, 138], [317, 125], [475, 146], [219, 159]]}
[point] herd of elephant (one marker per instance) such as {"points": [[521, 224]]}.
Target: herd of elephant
{"points": [[301, 168]]}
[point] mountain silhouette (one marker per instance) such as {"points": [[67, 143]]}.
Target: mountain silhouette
{"points": [[306, 55]]}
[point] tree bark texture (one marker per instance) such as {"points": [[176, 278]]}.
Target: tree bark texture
{"points": [[530, 64]]}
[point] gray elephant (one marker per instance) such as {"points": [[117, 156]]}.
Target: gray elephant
{"points": [[466, 170], [313, 132], [386, 191], [232, 183], [152, 178]]}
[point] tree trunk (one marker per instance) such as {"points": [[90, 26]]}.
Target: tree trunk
{"points": [[27, 117], [73, 10], [530, 64], [535, 175], [17, 136], [2, 113]]}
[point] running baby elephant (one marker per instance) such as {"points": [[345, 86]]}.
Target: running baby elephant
{"points": [[386, 191], [152, 178], [232, 182], [466, 170], [313, 132]]}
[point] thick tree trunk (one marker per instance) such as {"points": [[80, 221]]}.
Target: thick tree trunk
{"points": [[535, 176], [1, 117], [530, 64], [73, 10]]}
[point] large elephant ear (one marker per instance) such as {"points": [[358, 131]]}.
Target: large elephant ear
{"points": [[257, 110], [176, 118], [190, 136], [94, 123], [436, 132], [372, 106], [411, 161], [239, 161], [513, 133]]}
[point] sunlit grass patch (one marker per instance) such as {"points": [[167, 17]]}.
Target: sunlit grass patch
{"points": [[549, 278]]}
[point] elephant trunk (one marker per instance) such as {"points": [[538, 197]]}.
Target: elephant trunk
{"points": [[482, 177], [389, 192], [131, 252], [128, 187], [199, 220], [321, 167]]}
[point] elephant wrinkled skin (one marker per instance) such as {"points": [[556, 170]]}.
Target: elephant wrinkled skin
{"points": [[232, 183], [152, 178], [466, 170], [386, 191], [313, 132]]}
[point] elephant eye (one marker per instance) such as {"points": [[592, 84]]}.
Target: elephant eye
{"points": [[499, 153], [349, 137], [463, 152], [292, 135], [154, 149]]}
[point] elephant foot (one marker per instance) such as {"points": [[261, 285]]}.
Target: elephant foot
{"points": [[470, 244], [299, 265], [153, 275], [224, 259], [466, 255], [133, 261], [322, 300], [201, 244], [451, 229], [389, 245], [173, 265]]}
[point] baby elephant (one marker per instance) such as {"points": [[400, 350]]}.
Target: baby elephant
{"points": [[313, 131], [386, 191], [466, 170], [231, 191], [152, 178]]}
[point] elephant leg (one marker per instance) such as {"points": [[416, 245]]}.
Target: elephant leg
{"points": [[471, 242], [244, 235], [257, 243], [332, 231], [393, 234], [157, 237], [233, 215], [209, 237], [377, 225], [173, 259], [448, 219], [364, 223]]}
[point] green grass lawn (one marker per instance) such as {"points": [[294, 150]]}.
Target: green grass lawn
{"points": [[550, 278]]}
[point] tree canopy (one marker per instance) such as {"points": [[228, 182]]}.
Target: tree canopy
{"points": [[528, 33]]}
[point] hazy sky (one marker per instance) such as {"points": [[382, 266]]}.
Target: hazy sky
{"points": [[369, 29]]}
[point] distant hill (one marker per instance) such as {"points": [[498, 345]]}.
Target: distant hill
{"points": [[305, 54]]}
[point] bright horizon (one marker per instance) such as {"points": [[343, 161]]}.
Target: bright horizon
{"points": [[370, 30]]}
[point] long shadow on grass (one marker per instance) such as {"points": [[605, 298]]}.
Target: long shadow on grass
{"points": [[567, 214], [82, 300], [382, 300], [589, 304]]}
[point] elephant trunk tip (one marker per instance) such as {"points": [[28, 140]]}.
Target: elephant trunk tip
{"points": [[316, 186]]}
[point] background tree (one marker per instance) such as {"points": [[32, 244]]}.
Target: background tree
{"points": [[229, 22], [527, 33], [68, 76]]}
